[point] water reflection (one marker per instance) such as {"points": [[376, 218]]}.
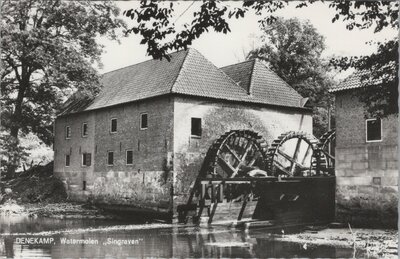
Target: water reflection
{"points": [[166, 242]]}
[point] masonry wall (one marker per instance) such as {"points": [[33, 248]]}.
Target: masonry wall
{"points": [[144, 185], [218, 118], [74, 175], [367, 173]]}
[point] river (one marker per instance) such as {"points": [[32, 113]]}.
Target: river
{"points": [[25, 237]]}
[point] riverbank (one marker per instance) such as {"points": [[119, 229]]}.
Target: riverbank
{"points": [[37, 193], [62, 210], [378, 243]]}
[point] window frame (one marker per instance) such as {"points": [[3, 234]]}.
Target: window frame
{"points": [[126, 156], [366, 131], [84, 158], [108, 158], [83, 130], [141, 119], [116, 125], [191, 127], [68, 129], [69, 160]]}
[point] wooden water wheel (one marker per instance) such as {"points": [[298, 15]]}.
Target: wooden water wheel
{"points": [[294, 154], [327, 146], [237, 153]]}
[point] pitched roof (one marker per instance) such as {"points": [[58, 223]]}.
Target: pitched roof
{"points": [[351, 82], [263, 85], [189, 73]]}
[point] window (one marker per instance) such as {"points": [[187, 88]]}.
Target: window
{"points": [[113, 126], [196, 127], [67, 132], [67, 160], [373, 130], [129, 157], [86, 159], [84, 185], [143, 121], [84, 129], [110, 158]]}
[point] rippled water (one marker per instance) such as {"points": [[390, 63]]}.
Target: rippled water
{"points": [[105, 238]]}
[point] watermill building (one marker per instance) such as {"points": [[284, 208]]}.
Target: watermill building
{"points": [[141, 142]]}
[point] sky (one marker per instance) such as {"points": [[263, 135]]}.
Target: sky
{"points": [[226, 49]]}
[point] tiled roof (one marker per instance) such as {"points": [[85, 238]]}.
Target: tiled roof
{"points": [[351, 82], [189, 73], [263, 85]]}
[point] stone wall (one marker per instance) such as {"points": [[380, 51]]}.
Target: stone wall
{"points": [[367, 173], [218, 118]]}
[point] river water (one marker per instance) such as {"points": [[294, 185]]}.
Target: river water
{"points": [[24, 237]]}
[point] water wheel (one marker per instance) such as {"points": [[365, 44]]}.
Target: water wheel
{"points": [[327, 146], [294, 154], [237, 153]]}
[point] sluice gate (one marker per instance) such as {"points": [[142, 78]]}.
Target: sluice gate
{"points": [[243, 179]]}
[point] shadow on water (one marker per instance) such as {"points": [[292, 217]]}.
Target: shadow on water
{"points": [[115, 240]]}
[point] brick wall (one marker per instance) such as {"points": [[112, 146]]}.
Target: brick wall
{"points": [[367, 173], [76, 173], [144, 184], [218, 118]]}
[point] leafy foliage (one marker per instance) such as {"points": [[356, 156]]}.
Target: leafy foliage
{"points": [[48, 48], [293, 49], [379, 71], [159, 33]]}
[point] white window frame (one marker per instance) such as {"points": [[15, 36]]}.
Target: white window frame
{"points": [[84, 159], [366, 131], [140, 121], [83, 131], [110, 151], [126, 156], [66, 132], [111, 125], [65, 160]]}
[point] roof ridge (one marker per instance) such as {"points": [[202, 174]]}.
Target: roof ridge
{"points": [[249, 60], [141, 62], [180, 70], [251, 76], [192, 50]]}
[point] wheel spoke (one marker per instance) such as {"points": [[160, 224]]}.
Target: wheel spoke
{"points": [[235, 155], [226, 166]]}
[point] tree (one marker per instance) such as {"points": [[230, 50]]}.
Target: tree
{"points": [[293, 49], [48, 48], [159, 34]]}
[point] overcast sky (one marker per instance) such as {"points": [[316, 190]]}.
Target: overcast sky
{"points": [[226, 49]]}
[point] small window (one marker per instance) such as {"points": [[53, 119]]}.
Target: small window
{"points": [[129, 157], [84, 185], [67, 132], [110, 158], [374, 130], [84, 130], [196, 127], [67, 160], [86, 159], [113, 126], [143, 121]]}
